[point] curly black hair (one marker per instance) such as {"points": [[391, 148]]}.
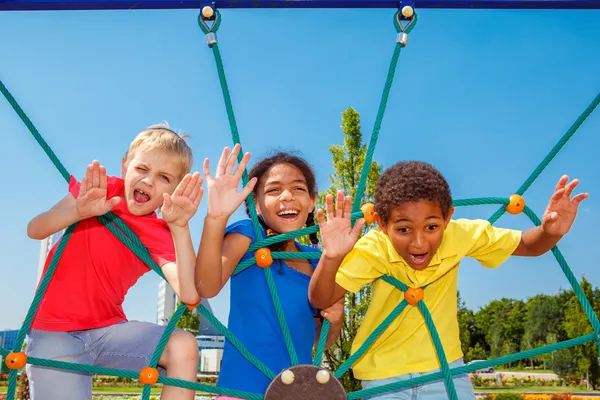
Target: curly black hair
{"points": [[260, 169], [411, 181]]}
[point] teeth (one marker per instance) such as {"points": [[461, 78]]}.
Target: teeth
{"points": [[288, 212], [141, 191]]}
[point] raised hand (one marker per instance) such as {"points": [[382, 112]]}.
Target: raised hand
{"points": [[562, 209], [92, 201], [178, 208], [337, 233], [223, 196]]}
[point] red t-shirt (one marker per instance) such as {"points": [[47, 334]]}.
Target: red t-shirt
{"points": [[96, 269]]}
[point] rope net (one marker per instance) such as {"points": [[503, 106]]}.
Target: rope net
{"points": [[16, 360]]}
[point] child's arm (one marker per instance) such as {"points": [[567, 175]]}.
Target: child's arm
{"points": [[338, 237], [90, 202], [335, 315], [556, 222], [218, 255], [177, 210]]}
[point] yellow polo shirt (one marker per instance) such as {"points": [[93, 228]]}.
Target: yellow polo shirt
{"points": [[406, 345]]}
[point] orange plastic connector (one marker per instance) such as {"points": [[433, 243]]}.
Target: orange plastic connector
{"points": [[16, 360], [516, 204], [193, 306], [413, 295], [368, 212], [148, 376], [263, 257]]}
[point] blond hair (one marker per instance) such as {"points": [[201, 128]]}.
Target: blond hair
{"points": [[162, 137]]}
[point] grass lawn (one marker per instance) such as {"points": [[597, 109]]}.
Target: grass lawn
{"points": [[536, 389]]}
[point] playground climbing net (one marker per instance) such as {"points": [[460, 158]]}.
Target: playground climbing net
{"points": [[209, 21]]}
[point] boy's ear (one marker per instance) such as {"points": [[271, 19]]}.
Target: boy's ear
{"points": [[123, 167], [379, 221], [449, 216]]}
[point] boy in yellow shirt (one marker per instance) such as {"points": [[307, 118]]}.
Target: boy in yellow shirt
{"points": [[419, 244]]}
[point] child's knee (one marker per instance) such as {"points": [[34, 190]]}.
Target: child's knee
{"points": [[182, 347]]}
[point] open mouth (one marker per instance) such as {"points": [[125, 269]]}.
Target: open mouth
{"points": [[288, 215], [140, 197], [418, 259]]}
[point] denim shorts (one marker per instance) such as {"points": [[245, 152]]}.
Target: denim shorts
{"points": [[126, 345], [434, 390]]}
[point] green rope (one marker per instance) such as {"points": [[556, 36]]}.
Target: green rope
{"points": [[121, 231], [42, 362], [583, 300], [252, 209], [422, 380], [439, 349], [236, 343], [380, 113], [38, 137], [117, 227], [318, 359], [550, 156]]}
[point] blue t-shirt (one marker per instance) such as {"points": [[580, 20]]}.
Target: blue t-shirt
{"points": [[253, 321]]}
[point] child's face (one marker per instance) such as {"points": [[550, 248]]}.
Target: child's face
{"points": [[416, 230], [283, 199], [148, 175]]}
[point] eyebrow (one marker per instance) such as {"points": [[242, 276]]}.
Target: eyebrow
{"points": [[405, 219], [279, 183], [143, 164]]}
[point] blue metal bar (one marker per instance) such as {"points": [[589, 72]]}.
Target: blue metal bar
{"points": [[46, 5]]}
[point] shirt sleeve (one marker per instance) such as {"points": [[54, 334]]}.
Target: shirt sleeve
{"points": [[364, 264], [491, 245], [243, 227]]}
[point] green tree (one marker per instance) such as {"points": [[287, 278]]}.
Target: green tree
{"points": [[348, 161], [576, 324], [189, 321]]}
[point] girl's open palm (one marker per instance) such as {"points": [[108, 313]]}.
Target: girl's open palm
{"points": [[223, 195], [178, 208], [92, 201], [337, 233]]}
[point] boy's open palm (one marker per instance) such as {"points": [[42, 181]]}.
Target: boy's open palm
{"points": [[562, 209], [223, 196], [92, 201], [179, 207], [337, 233]]}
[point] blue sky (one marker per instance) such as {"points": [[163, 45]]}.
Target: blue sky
{"points": [[483, 95]]}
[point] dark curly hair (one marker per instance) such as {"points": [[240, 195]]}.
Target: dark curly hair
{"points": [[411, 181], [260, 169]]}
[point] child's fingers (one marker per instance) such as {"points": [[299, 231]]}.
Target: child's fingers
{"points": [[242, 166], [320, 218], [329, 207], [83, 187], [358, 228], [232, 159], [245, 192], [167, 201], [222, 162], [339, 204], [206, 167], [103, 178], [192, 185], [113, 202], [348, 207], [570, 187], [95, 174], [198, 198], [182, 185], [579, 198]]}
